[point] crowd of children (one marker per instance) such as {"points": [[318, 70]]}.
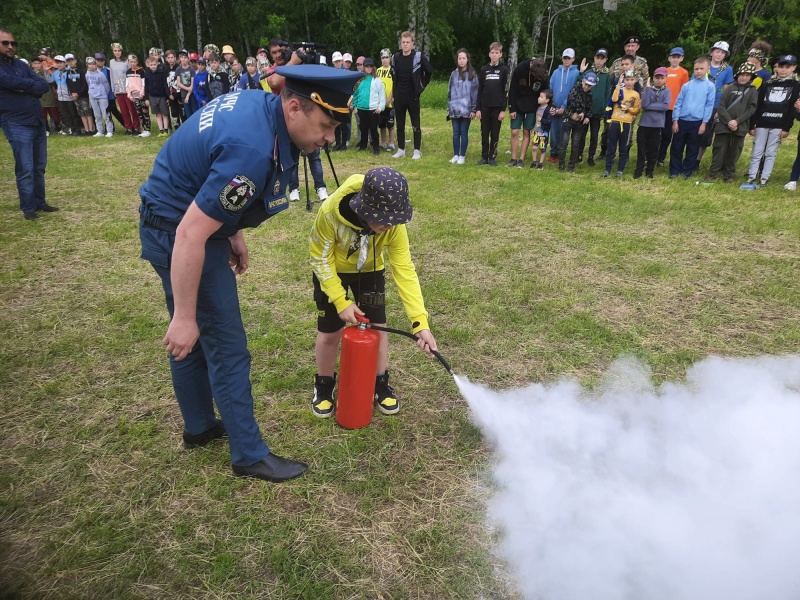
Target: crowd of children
{"points": [[672, 116]]}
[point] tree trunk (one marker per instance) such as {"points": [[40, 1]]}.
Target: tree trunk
{"points": [[141, 29], [536, 33], [209, 12], [155, 24], [197, 14], [513, 48], [112, 24], [177, 17]]}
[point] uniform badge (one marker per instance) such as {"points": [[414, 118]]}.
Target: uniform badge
{"points": [[237, 193]]}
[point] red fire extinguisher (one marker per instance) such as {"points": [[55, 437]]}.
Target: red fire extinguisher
{"points": [[357, 367]]}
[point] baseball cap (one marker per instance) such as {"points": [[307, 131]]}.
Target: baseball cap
{"points": [[193, 56], [44, 52], [201, 61], [368, 62], [183, 52], [786, 59], [386, 53], [661, 71], [330, 89], [383, 198], [336, 56], [262, 50], [677, 51], [347, 57], [721, 46], [59, 58], [569, 53], [590, 78], [69, 56], [100, 56], [602, 52]]}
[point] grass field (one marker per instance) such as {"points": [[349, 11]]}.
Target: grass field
{"points": [[528, 276]]}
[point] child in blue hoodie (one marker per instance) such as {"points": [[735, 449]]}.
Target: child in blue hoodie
{"points": [[200, 84], [561, 82]]}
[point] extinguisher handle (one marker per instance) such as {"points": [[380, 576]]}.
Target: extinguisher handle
{"points": [[361, 318]]}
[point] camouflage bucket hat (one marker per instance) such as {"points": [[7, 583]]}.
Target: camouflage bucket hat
{"points": [[211, 48], [383, 198], [155, 51], [746, 68]]}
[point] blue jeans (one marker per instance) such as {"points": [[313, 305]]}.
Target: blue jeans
{"points": [[190, 107], [687, 139], [460, 135], [555, 135], [315, 164], [29, 145], [218, 367]]}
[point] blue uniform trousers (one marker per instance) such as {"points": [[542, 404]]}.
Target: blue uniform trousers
{"points": [[218, 368], [29, 145]]}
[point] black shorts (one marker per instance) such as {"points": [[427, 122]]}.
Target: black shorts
{"points": [[387, 119], [371, 287]]}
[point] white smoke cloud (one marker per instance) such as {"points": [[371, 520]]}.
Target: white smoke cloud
{"points": [[635, 492]]}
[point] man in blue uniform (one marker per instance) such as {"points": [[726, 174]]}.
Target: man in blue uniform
{"points": [[209, 182], [22, 124]]}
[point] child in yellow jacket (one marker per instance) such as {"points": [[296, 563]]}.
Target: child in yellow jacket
{"points": [[354, 226], [626, 104]]}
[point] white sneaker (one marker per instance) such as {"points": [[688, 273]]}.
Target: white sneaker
{"points": [[322, 193], [454, 160], [47, 133], [791, 186], [417, 155], [399, 154], [98, 134], [144, 134], [294, 195], [461, 160], [110, 134], [390, 147]]}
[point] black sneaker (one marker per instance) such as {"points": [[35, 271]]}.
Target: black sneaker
{"points": [[492, 162], [218, 431], [385, 398], [590, 162], [322, 405], [482, 161], [520, 164]]}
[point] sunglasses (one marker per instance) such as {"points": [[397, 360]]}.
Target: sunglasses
{"points": [[8, 43]]}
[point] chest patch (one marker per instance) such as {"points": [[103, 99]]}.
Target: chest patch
{"points": [[237, 193]]}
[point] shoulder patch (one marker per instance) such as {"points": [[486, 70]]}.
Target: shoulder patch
{"points": [[237, 193]]}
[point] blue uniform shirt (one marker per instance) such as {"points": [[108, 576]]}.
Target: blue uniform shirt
{"points": [[233, 158]]}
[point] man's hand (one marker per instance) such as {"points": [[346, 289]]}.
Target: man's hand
{"points": [[702, 129], [501, 116], [513, 115], [674, 127], [181, 337], [348, 315], [584, 65], [240, 255], [733, 125], [478, 115], [426, 341], [784, 135]]}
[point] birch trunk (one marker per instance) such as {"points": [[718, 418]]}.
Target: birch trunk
{"points": [[199, 24], [112, 24], [177, 17], [536, 32], [155, 24], [143, 45], [513, 49]]}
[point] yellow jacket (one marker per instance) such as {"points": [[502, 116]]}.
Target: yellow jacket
{"points": [[334, 244], [631, 99]]}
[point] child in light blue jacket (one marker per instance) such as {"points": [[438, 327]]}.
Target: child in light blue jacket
{"points": [[370, 100]]}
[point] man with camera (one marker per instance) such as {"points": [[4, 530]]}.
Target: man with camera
{"points": [[282, 55], [209, 183]]}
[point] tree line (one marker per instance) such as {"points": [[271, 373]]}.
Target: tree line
{"points": [[524, 27]]}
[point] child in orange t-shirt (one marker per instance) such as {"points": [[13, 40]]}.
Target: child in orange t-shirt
{"points": [[676, 77]]}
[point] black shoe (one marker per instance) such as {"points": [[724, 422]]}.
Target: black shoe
{"points": [[376, 151], [590, 162], [30, 216], [512, 163], [492, 162], [520, 164], [47, 208], [322, 405], [217, 432], [482, 161], [385, 397], [272, 468]]}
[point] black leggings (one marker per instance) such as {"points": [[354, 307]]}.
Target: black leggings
{"points": [[401, 105]]}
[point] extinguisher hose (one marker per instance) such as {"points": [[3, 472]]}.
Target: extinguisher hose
{"points": [[441, 359]]}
